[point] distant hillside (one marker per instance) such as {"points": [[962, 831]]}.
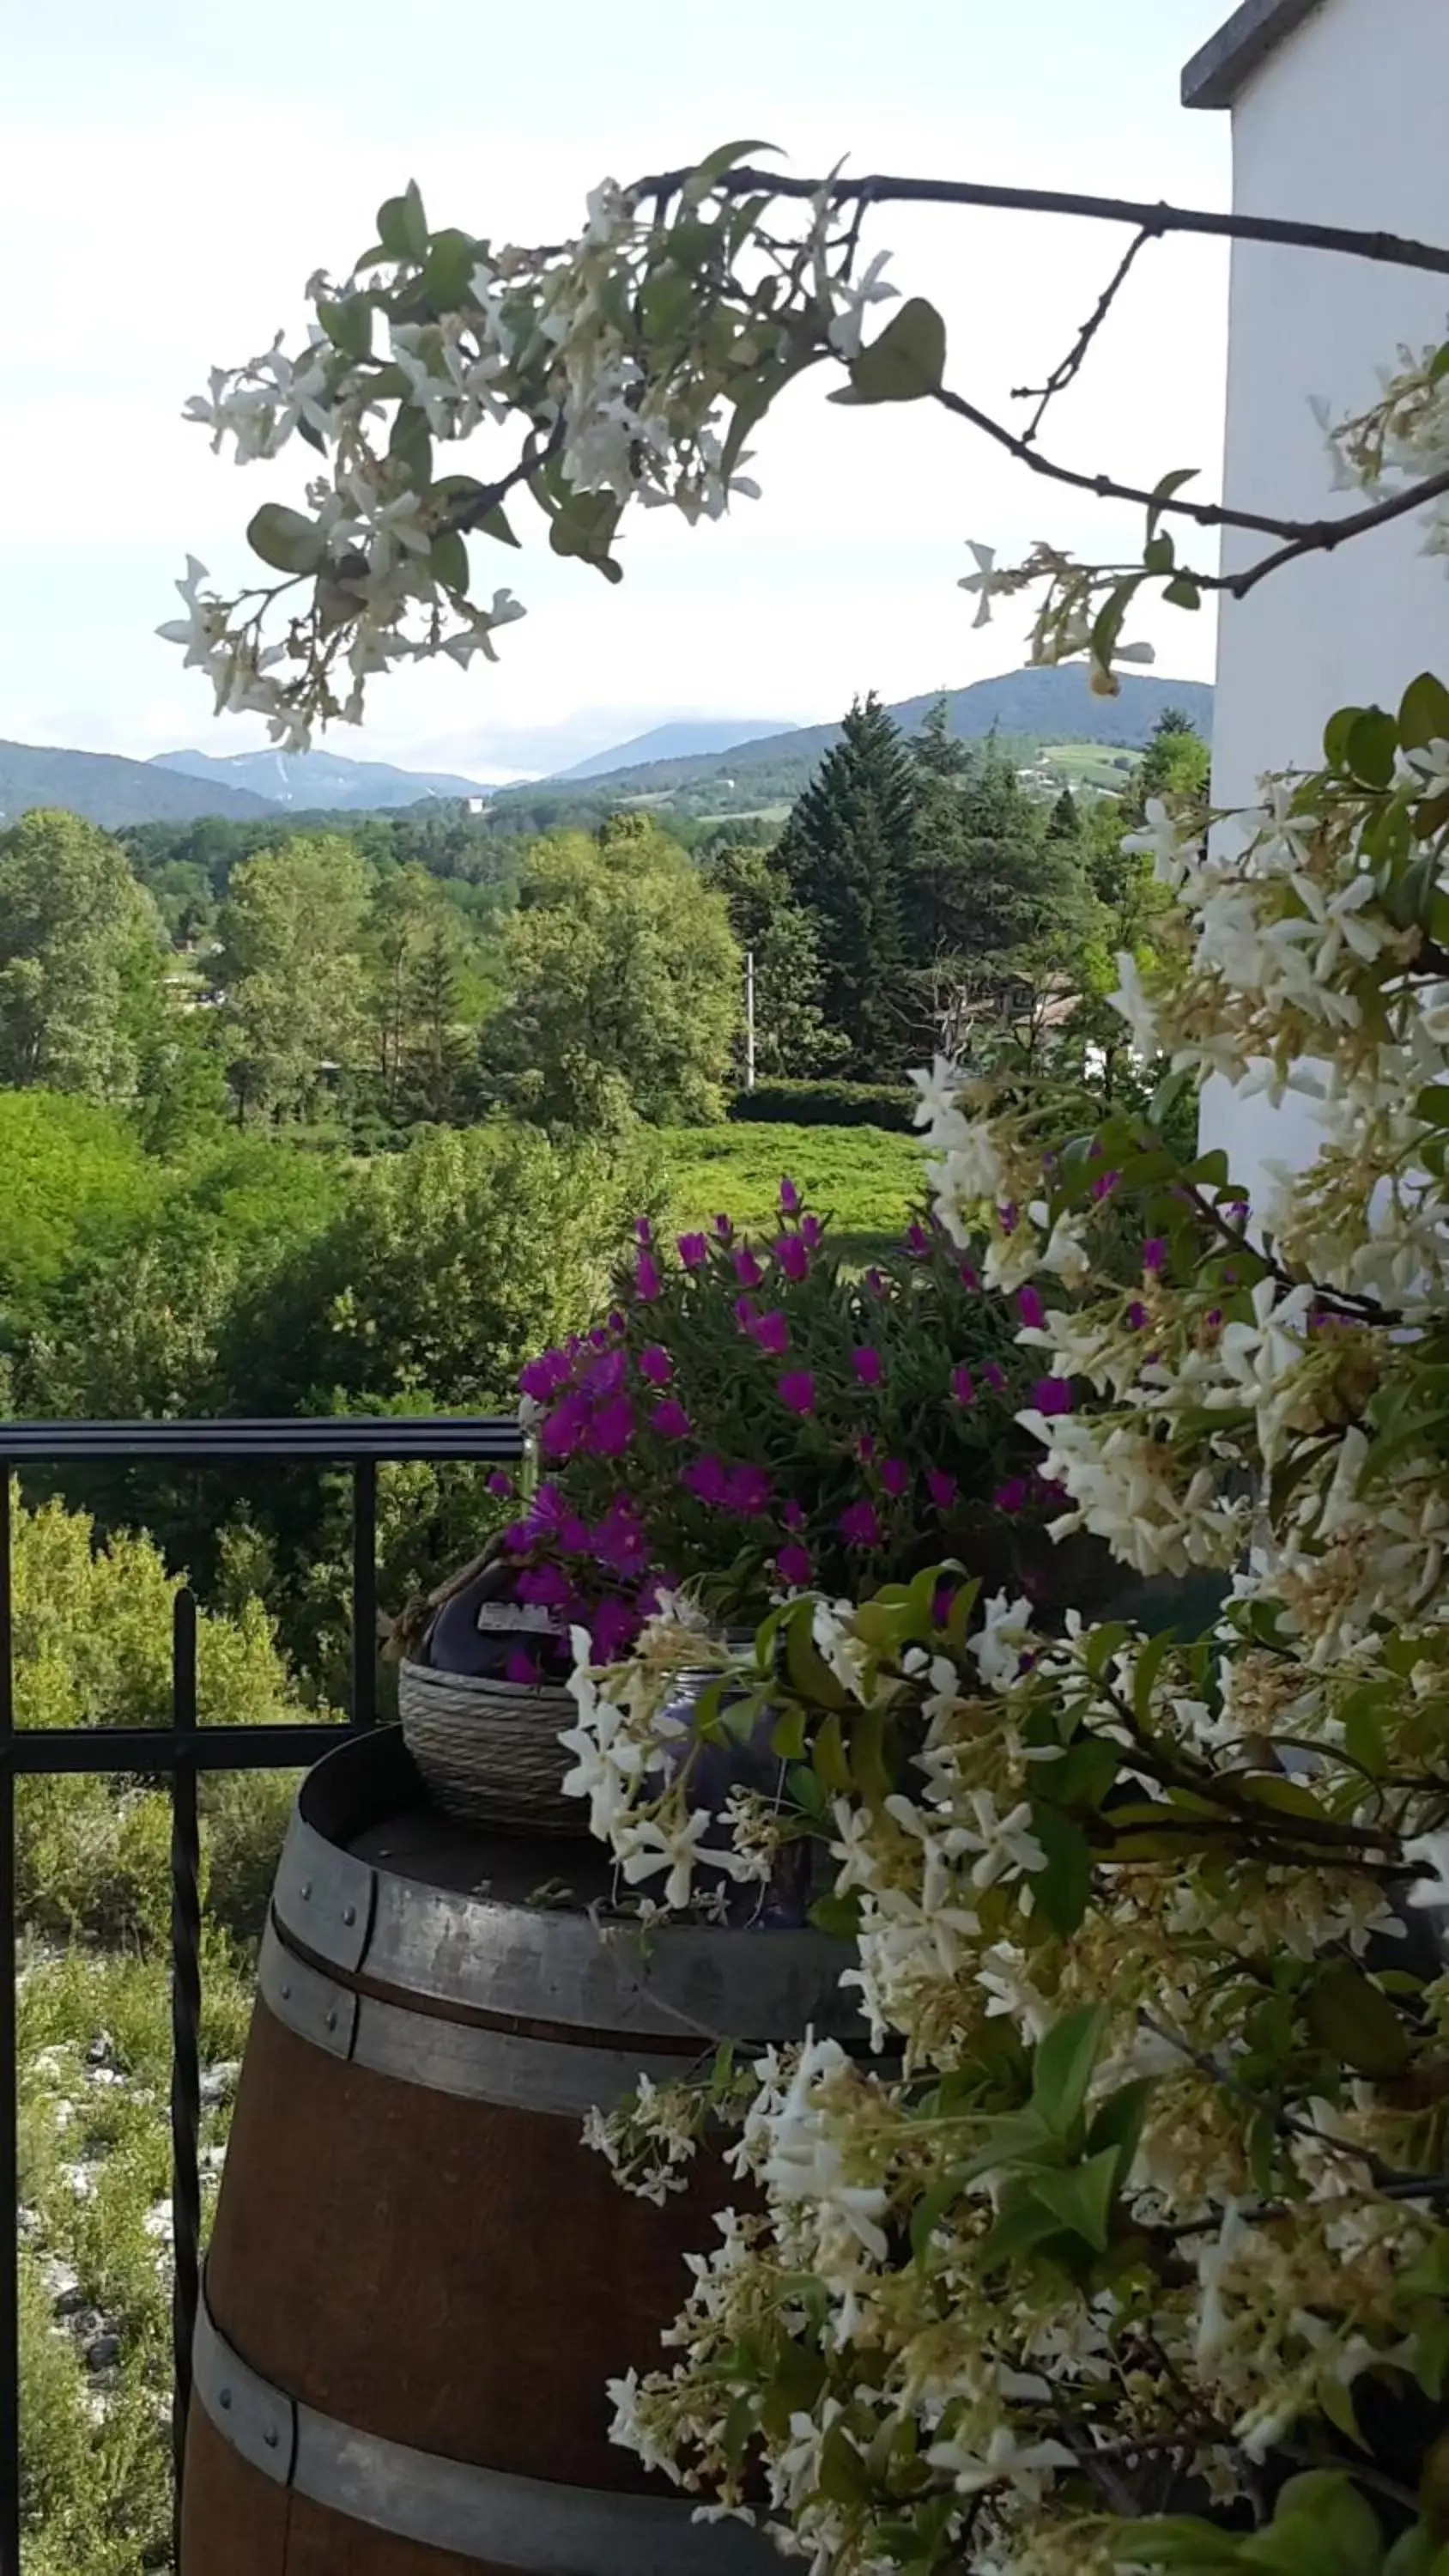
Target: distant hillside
{"points": [[685, 741], [108, 790], [1043, 706], [320, 781]]}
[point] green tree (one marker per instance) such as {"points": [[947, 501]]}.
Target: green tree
{"points": [[625, 984], [292, 937], [846, 852], [82, 957], [791, 1034], [989, 874]]}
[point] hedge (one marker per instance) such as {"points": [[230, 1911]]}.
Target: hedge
{"points": [[827, 1104]]}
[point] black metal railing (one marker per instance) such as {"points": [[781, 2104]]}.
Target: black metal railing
{"points": [[180, 1753]]}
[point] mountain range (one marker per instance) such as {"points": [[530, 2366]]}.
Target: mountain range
{"points": [[1052, 705], [746, 757], [318, 781], [693, 739]]}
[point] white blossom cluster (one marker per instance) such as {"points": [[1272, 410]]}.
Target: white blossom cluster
{"points": [[626, 364], [1206, 1853]]}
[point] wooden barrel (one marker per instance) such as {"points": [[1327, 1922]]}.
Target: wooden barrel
{"points": [[420, 2279]]}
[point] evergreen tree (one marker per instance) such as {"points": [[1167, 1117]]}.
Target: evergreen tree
{"points": [[846, 853], [936, 749], [791, 1035], [1064, 823]]}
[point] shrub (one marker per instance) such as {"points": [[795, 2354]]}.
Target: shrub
{"points": [[827, 1104]]}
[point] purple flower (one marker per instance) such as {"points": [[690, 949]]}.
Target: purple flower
{"points": [[970, 1275], [895, 1476], [643, 1231], [793, 1563], [747, 1491], [772, 1333], [724, 1227], [1154, 1253], [1011, 1497], [543, 1377], [995, 1377], [797, 1391], [789, 1197], [941, 1488], [812, 1233], [875, 1283], [647, 1282], [1052, 1395], [963, 1386], [605, 1375], [612, 1428], [616, 1320], [656, 1364], [793, 1255], [670, 1420], [613, 1629], [543, 1586], [563, 1430], [705, 1478], [500, 1484], [865, 1448], [745, 1314], [860, 1525], [1104, 1184], [619, 1542], [1137, 1316], [1029, 1307], [941, 1606], [747, 1268], [918, 1242], [1008, 1216], [598, 1338], [867, 1364], [693, 1250], [793, 1516], [523, 1668]]}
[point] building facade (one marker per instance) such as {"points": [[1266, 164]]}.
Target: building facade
{"points": [[1339, 113]]}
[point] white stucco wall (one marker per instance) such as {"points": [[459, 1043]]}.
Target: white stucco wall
{"points": [[1344, 125]]}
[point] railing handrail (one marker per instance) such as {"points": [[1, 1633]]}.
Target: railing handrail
{"points": [[385, 1437], [361, 1443]]}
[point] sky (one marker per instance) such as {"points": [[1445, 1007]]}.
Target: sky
{"points": [[176, 169]]}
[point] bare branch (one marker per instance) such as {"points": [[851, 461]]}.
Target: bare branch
{"points": [[1395, 250], [1072, 364]]}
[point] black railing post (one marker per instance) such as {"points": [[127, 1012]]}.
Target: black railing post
{"points": [[364, 1593], [9, 2076], [185, 2022]]}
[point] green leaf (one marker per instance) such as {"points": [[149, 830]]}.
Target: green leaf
{"points": [[1063, 2067], [1353, 2018], [1159, 555], [1173, 2540], [1424, 713], [1337, 734], [585, 527], [1183, 593], [714, 165], [839, 1916], [1373, 743], [1063, 1887], [787, 1736], [831, 1765], [1329, 2498], [347, 323], [285, 539], [1167, 490], [905, 363], [411, 443], [447, 276], [1084, 1774], [1417, 2553], [1024, 2225], [448, 562], [1082, 2196], [402, 226], [1119, 2122]]}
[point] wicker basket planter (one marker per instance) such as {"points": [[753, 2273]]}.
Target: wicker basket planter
{"points": [[489, 1750]]}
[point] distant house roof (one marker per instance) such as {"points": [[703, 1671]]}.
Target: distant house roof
{"points": [[1228, 60]]}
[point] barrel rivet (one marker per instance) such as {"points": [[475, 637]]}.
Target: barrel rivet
{"points": [[286, 1994], [305, 1891], [224, 2400], [332, 2020], [270, 2436], [349, 1915]]}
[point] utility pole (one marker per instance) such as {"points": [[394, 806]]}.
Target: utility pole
{"points": [[749, 1019]]}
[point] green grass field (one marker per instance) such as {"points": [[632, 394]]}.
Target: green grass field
{"points": [[862, 1178]]}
